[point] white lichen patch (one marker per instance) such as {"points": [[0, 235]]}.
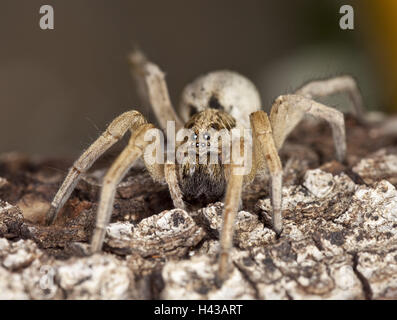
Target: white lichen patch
{"points": [[380, 272], [5, 206], [96, 277], [300, 271], [372, 217], [121, 231], [26, 272], [22, 273], [318, 182], [195, 279], [169, 232], [314, 193], [10, 219], [248, 230], [209, 248], [17, 255], [11, 286], [377, 166]]}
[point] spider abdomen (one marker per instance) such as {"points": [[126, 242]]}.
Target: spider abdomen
{"points": [[222, 90]]}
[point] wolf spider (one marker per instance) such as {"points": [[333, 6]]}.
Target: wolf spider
{"points": [[218, 100]]}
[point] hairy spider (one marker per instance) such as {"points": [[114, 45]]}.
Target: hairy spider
{"points": [[221, 100]]}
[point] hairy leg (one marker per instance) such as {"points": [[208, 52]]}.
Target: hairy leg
{"points": [[115, 131], [288, 110], [346, 83], [117, 171], [265, 151], [173, 185], [232, 201], [153, 89]]}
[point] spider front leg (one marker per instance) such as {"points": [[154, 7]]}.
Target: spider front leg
{"points": [[113, 177], [115, 131], [171, 178], [288, 110], [346, 83], [232, 201], [264, 156], [153, 90]]}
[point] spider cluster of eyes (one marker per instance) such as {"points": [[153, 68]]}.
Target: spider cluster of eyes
{"points": [[207, 147]]}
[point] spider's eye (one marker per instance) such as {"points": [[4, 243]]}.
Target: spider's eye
{"points": [[207, 136], [194, 136]]}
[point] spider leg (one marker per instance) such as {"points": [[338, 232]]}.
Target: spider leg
{"points": [[288, 110], [265, 153], [153, 89], [232, 201], [117, 171], [115, 131], [345, 83], [173, 185], [265, 156]]}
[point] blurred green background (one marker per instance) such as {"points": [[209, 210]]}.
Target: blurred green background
{"points": [[59, 88]]}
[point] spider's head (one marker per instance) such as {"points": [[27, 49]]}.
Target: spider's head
{"points": [[207, 129]]}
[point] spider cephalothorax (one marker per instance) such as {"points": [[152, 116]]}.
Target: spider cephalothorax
{"points": [[202, 181], [214, 107]]}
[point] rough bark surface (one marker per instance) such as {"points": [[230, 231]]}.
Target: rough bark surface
{"points": [[339, 239]]}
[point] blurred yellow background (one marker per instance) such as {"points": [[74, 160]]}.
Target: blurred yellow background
{"points": [[382, 27]]}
